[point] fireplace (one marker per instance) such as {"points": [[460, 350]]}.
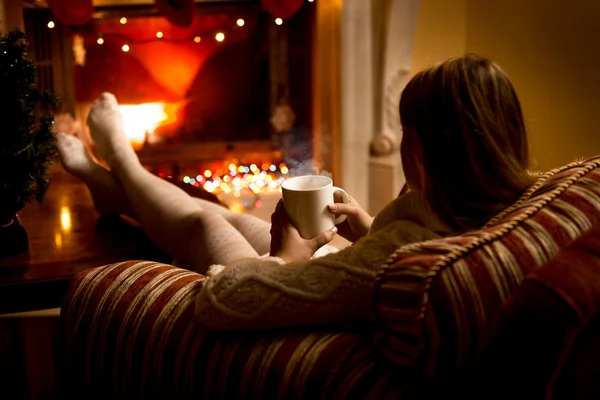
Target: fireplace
{"points": [[373, 179], [224, 103]]}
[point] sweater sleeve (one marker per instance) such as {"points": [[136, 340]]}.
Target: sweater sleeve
{"points": [[262, 293]]}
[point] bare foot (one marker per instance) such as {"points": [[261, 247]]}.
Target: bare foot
{"points": [[108, 196], [107, 130]]}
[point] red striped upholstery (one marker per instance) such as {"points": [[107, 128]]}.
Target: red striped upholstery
{"points": [[550, 326], [130, 334], [130, 331], [438, 299]]}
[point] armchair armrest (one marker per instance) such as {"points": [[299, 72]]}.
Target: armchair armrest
{"points": [[130, 331], [123, 322]]}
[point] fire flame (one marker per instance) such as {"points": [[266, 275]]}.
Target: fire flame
{"points": [[142, 119]]}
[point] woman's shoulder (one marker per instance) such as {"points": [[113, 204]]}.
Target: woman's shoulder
{"points": [[411, 206]]}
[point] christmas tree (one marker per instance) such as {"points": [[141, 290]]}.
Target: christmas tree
{"points": [[27, 141]]}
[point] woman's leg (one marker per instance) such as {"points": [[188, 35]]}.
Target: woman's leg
{"points": [[110, 198], [174, 221]]}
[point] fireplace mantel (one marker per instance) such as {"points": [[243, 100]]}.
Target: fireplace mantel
{"points": [[377, 46]]}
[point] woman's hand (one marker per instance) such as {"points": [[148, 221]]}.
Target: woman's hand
{"points": [[358, 221], [286, 242]]}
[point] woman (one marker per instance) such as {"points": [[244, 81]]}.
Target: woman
{"points": [[465, 156]]}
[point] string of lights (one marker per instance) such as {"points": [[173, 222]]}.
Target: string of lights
{"points": [[236, 178], [219, 35]]}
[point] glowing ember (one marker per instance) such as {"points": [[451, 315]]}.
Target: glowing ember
{"points": [[142, 119]]}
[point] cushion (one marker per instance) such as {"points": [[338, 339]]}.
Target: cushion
{"points": [[436, 300]]}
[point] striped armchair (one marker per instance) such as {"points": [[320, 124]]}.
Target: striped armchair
{"points": [[438, 312]]}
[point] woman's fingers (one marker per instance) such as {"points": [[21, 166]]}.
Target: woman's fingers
{"points": [[280, 219], [279, 216], [343, 208], [338, 197], [322, 239]]}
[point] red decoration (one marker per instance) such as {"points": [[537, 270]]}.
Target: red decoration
{"points": [[72, 12], [283, 8], [177, 12]]}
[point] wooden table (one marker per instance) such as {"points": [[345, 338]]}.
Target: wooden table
{"points": [[66, 236]]}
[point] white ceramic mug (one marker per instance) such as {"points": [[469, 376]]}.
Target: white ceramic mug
{"points": [[305, 199]]}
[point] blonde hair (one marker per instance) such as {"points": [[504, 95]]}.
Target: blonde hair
{"points": [[466, 120]]}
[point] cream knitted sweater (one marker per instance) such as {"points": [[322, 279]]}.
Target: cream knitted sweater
{"points": [[265, 292]]}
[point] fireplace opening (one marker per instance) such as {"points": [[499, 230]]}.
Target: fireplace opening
{"points": [[213, 76], [224, 104]]}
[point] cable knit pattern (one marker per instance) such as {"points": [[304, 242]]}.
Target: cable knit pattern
{"points": [[263, 293]]}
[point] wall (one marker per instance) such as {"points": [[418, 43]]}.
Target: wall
{"points": [[326, 90], [3, 24], [550, 48], [441, 32], [11, 15], [551, 51]]}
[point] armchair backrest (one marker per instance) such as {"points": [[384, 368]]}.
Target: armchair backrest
{"points": [[437, 301], [546, 341]]}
